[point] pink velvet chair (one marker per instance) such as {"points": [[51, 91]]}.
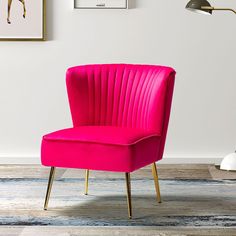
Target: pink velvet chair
{"points": [[120, 117]]}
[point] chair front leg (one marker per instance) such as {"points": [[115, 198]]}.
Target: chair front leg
{"points": [[128, 187], [155, 176], [50, 180], [86, 182]]}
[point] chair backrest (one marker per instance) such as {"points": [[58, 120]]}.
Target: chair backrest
{"points": [[123, 95]]}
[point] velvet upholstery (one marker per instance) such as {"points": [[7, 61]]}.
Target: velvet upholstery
{"points": [[120, 116]]}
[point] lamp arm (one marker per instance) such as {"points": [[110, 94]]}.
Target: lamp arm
{"points": [[218, 9]]}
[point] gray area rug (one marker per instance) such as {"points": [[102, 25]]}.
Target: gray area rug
{"points": [[186, 203]]}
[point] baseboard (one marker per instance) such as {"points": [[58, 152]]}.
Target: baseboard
{"points": [[34, 160], [190, 160], [19, 160]]}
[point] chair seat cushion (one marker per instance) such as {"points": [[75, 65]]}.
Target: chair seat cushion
{"points": [[100, 148]]}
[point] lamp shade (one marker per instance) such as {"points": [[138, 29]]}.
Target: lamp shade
{"points": [[196, 6]]}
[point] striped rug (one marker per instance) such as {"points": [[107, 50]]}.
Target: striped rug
{"points": [[186, 203]]}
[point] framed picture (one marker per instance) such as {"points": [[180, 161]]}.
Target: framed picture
{"points": [[22, 20], [101, 4]]}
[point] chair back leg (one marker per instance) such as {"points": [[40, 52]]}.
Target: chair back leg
{"points": [[50, 181], [86, 182]]}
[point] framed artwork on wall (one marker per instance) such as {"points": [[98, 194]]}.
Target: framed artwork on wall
{"points": [[22, 20], [101, 4]]}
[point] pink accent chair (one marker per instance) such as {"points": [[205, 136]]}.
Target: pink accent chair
{"points": [[120, 116]]}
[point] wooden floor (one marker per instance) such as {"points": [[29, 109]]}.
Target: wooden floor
{"points": [[165, 171], [209, 172], [110, 231]]}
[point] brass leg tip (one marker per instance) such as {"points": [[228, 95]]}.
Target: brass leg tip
{"points": [[85, 193], [130, 217], [45, 209]]}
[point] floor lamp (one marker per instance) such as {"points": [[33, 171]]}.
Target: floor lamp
{"points": [[204, 7]]}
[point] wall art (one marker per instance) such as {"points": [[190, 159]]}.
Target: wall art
{"points": [[101, 4], [22, 20]]}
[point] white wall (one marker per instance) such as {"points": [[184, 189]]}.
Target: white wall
{"points": [[202, 49]]}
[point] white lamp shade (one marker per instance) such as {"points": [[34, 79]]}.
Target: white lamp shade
{"points": [[229, 162]]}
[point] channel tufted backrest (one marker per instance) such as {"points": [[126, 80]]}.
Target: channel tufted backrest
{"points": [[136, 96]]}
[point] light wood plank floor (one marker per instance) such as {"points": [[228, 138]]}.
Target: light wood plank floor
{"points": [[165, 171]]}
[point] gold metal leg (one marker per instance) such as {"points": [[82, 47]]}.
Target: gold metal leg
{"points": [[128, 186], [50, 180], [155, 176], [86, 182]]}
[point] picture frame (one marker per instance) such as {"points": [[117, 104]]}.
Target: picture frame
{"points": [[101, 4], [29, 27]]}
